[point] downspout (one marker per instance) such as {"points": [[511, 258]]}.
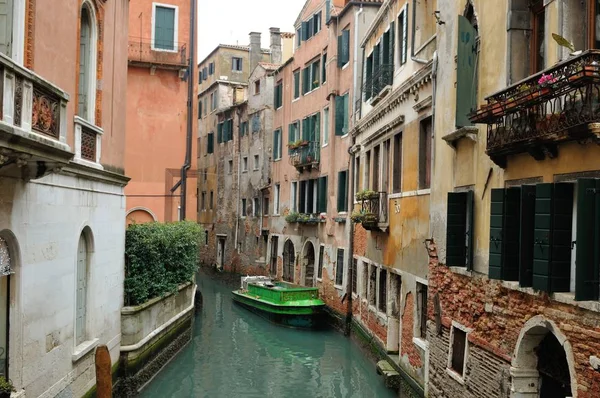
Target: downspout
{"points": [[433, 135], [355, 66], [239, 205], [412, 32], [351, 164], [190, 111]]}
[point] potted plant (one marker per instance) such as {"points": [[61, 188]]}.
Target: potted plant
{"points": [[357, 217], [6, 387], [366, 194], [303, 218], [292, 217]]}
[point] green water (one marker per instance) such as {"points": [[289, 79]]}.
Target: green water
{"points": [[235, 353]]}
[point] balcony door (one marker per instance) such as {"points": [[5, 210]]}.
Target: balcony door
{"points": [[6, 28]]}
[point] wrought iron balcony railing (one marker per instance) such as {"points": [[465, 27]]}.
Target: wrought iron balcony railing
{"points": [[374, 211], [380, 79], [561, 103], [33, 128], [144, 52], [305, 154]]}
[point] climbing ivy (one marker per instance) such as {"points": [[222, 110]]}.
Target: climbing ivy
{"points": [[158, 258]]}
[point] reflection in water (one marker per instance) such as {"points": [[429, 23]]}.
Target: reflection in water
{"points": [[235, 353]]}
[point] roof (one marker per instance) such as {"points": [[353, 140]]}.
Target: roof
{"points": [[269, 66], [232, 47], [288, 35]]}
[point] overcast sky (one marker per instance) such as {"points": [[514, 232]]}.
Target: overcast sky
{"points": [[230, 21]]}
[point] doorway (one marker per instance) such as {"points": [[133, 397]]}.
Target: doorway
{"points": [[288, 261], [309, 264], [274, 248], [220, 252]]}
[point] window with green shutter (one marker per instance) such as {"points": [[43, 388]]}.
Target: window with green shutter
{"points": [[341, 115], [587, 273], [219, 133], [278, 92], [552, 237], [297, 84], [277, 144], [526, 235], [322, 195], [324, 69], [344, 48], [305, 80], [342, 194], [403, 34], [504, 234], [164, 28], [210, 145], [466, 72], [391, 50], [459, 229]]}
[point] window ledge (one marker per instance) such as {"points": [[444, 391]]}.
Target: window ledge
{"points": [[461, 271], [405, 194], [89, 125], [564, 298], [87, 163], [345, 65], [469, 132], [421, 343], [82, 349], [339, 287], [455, 376]]}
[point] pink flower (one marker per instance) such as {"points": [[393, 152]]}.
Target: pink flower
{"points": [[546, 79]]}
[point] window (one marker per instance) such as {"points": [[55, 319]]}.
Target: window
{"points": [[538, 60], [293, 132], [205, 173], [245, 164], [265, 206], [297, 84], [210, 147], [356, 176], [367, 171], [311, 77], [376, 161], [344, 48], [255, 207], [298, 37], [82, 284], [397, 171], [211, 68], [403, 34], [206, 238], [243, 128], [324, 68], [310, 28], [244, 207], [205, 108], [354, 274], [425, 153], [276, 204], [256, 162], [382, 299], [294, 197], [257, 87], [422, 309], [278, 92], [86, 91], [236, 64], [321, 260], [339, 268], [312, 196], [277, 144], [325, 126], [230, 167], [322, 194], [212, 200], [256, 123], [213, 100], [341, 115], [372, 285], [165, 27], [274, 244], [342, 194], [458, 350], [369, 77], [203, 201], [594, 26], [314, 73], [199, 109], [459, 231], [310, 128], [466, 76]]}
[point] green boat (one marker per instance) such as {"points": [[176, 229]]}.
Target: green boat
{"points": [[281, 302]]}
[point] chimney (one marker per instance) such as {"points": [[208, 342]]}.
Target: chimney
{"points": [[255, 50], [276, 53]]}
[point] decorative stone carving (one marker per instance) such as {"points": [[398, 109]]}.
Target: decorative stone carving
{"points": [[46, 113]]}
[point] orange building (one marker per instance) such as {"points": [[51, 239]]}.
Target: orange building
{"points": [[157, 94]]}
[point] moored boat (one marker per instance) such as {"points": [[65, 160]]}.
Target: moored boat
{"points": [[281, 302]]}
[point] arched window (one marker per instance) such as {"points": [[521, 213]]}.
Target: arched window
{"points": [[82, 283], [86, 97], [5, 271], [289, 257]]}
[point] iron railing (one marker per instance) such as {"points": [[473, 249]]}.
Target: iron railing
{"points": [[375, 210], [381, 78], [307, 153], [146, 52], [535, 114]]}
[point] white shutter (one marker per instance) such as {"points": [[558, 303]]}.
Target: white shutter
{"points": [[81, 291], [405, 33], [6, 19]]}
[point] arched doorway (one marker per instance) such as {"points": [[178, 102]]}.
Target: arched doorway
{"points": [[289, 256], [543, 362], [139, 215], [308, 260]]}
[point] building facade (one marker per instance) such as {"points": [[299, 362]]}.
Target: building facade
{"points": [[392, 181], [513, 277], [157, 96], [62, 140]]}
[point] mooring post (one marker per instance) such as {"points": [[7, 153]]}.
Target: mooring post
{"points": [[103, 374]]}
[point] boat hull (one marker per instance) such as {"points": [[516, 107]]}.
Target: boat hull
{"points": [[296, 316]]}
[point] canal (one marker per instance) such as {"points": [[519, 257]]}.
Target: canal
{"points": [[235, 353]]}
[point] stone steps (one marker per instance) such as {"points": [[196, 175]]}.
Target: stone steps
{"points": [[391, 377]]}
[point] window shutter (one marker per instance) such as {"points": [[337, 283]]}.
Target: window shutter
{"points": [[317, 129], [324, 68], [304, 31], [305, 129], [340, 57], [210, 144], [302, 198], [526, 235], [327, 10], [456, 230], [369, 77], [404, 35], [391, 51], [342, 191], [296, 84], [496, 233], [469, 236], [376, 60], [504, 234], [588, 236], [164, 28], [305, 82], [339, 115], [219, 133], [322, 195], [465, 71], [345, 46], [6, 16], [291, 133]]}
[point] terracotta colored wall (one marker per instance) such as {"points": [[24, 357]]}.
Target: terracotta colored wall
{"points": [[156, 126]]}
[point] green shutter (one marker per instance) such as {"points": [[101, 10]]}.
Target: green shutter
{"points": [[342, 193], [164, 28], [368, 77], [496, 233], [526, 234], [296, 84], [504, 234], [346, 115], [305, 129], [210, 146], [470, 234], [317, 132], [465, 72], [304, 31], [322, 195], [339, 54], [291, 133], [345, 46], [324, 68], [542, 235], [219, 133], [456, 229], [305, 81], [391, 52], [588, 235], [275, 145], [341, 115]]}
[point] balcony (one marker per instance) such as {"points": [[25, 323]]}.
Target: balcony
{"points": [[144, 53], [305, 155], [32, 123], [373, 214], [533, 116], [379, 83]]}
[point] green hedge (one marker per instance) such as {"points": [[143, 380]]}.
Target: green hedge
{"points": [[158, 258]]}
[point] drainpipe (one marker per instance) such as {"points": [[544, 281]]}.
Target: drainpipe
{"points": [[351, 162], [239, 205], [190, 111], [412, 32], [355, 66], [433, 101]]}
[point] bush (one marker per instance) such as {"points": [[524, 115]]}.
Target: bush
{"points": [[158, 258], [6, 386]]}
